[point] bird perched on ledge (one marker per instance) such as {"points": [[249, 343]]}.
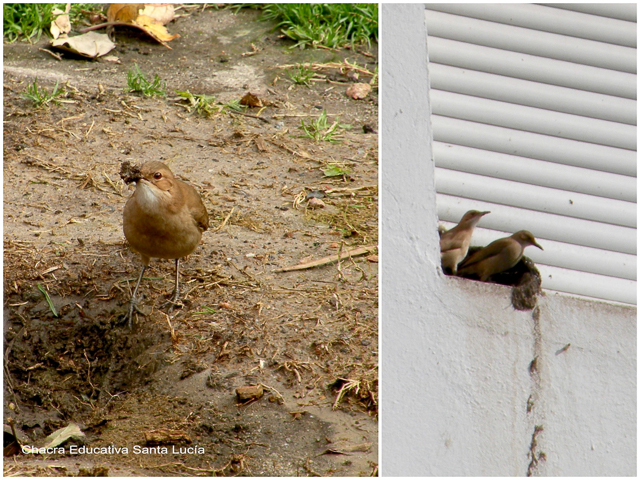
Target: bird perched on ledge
{"points": [[454, 243], [164, 218], [498, 256]]}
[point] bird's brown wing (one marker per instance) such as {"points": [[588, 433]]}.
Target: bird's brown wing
{"points": [[451, 240], [494, 248], [197, 209], [201, 217]]}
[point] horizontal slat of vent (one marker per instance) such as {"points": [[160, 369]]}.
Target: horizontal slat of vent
{"points": [[533, 94], [543, 225], [530, 67], [533, 197], [530, 119], [532, 42], [563, 255], [620, 11], [543, 18], [533, 145], [588, 284], [535, 172]]}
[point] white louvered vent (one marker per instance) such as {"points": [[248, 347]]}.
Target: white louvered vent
{"points": [[534, 118]]}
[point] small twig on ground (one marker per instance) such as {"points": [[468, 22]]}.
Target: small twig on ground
{"points": [[53, 54], [113, 185], [330, 259], [265, 120], [338, 263], [171, 329], [224, 222], [310, 470]]}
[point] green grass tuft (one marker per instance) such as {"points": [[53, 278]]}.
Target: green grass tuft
{"points": [[137, 82], [205, 104], [39, 96], [319, 129], [331, 25], [30, 20], [300, 74]]}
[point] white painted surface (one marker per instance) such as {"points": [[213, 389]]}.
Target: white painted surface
{"points": [[455, 356]]}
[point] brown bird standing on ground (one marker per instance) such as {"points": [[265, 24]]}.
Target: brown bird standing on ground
{"points": [[498, 256], [454, 243], [164, 218]]}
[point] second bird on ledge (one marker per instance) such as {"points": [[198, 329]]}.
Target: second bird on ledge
{"points": [[497, 257], [164, 218]]}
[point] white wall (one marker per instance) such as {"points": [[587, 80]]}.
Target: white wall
{"points": [[456, 376]]}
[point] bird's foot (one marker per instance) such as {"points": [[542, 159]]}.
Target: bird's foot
{"points": [[129, 315], [173, 302]]}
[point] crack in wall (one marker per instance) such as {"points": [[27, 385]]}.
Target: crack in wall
{"points": [[534, 409]]}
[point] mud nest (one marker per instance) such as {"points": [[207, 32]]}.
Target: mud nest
{"points": [[129, 172], [525, 279]]}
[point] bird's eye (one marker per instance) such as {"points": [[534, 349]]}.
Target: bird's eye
{"points": [[157, 175]]}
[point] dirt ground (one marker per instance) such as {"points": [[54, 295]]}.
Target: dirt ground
{"points": [[309, 337]]}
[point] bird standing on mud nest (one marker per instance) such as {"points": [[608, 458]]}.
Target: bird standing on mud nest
{"points": [[164, 218], [454, 243], [498, 256]]}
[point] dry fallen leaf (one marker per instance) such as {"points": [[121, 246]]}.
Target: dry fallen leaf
{"points": [[154, 28], [251, 100], [60, 436], [123, 12], [90, 45], [162, 12], [149, 18], [61, 24], [358, 91]]}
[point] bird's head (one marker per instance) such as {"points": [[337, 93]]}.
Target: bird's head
{"points": [[157, 174], [526, 238], [472, 217]]}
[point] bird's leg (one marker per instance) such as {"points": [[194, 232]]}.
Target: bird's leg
{"points": [[175, 296], [176, 291], [134, 305]]}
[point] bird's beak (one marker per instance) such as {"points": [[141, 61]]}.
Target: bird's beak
{"points": [[484, 213], [536, 245]]}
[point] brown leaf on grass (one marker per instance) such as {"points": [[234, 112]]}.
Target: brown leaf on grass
{"points": [[61, 24], [90, 45], [358, 91]]}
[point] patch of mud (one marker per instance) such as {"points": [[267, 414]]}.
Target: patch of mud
{"points": [[309, 336]]}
